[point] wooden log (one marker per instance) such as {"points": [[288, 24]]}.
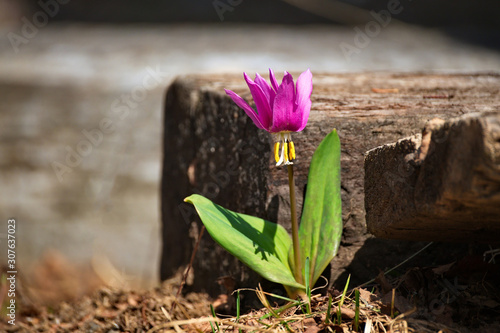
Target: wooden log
{"points": [[211, 147], [443, 185]]}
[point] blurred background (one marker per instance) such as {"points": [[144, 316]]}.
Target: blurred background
{"points": [[82, 85]]}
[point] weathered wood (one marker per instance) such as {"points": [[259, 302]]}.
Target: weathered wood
{"points": [[443, 185], [212, 147]]}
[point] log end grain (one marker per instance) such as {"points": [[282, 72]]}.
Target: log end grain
{"points": [[443, 185]]}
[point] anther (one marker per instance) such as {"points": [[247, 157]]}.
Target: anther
{"points": [[291, 149], [277, 151]]}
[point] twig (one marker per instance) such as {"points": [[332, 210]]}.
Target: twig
{"points": [[187, 270], [400, 264]]}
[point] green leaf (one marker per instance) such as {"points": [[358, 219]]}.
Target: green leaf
{"points": [[321, 225], [259, 244]]}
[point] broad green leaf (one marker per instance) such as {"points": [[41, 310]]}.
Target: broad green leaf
{"points": [[259, 244], [321, 224]]}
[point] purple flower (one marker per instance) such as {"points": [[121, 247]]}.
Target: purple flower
{"points": [[281, 109]]}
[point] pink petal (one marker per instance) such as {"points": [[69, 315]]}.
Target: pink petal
{"points": [[303, 101], [284, 117], [274, 83], [264, 112], [244, 105], [266, 88]]}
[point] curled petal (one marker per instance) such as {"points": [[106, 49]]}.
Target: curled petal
{"points": [[303, 101], [264, 112], [244, 105], [266, 88], [274, 83]]}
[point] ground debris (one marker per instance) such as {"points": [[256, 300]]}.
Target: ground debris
{"points": [[462, 296], [111, 310]]}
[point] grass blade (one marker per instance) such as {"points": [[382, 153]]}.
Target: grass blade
{"points": [[215, 322], [238, 308], [356, 313], [329, 310], [341, 303]]}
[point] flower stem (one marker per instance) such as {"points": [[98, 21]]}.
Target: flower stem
{"points": [[295, 227]]}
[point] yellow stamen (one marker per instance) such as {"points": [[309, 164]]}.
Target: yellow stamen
{"points": [[291, 148], [277, 151], [286, 152]]}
